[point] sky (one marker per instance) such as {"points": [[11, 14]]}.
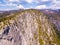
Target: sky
{"points": [[29, 4]]}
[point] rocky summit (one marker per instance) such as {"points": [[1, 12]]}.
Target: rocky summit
{"points": [[28, 27]]}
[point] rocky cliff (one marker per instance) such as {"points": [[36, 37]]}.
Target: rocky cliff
{"points": [[29, 27]]}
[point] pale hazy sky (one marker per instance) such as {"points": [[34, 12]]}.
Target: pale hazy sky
{"points": [[27, 4]]}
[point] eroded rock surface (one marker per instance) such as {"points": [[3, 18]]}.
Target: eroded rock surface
{"points": [[29, 27]]}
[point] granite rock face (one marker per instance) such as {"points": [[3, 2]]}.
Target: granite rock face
{"points": [[29, 27]]}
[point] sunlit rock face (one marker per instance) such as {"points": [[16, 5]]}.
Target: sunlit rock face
{"points": [[29, 27]]}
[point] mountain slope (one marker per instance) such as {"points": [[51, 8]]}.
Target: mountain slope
{"points": [[54, 17], [29, 27]]}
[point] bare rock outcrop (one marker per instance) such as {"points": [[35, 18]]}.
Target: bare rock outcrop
{"points": [[29, 27]]}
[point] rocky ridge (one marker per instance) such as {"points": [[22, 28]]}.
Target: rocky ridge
{"points": [[29, 27]]}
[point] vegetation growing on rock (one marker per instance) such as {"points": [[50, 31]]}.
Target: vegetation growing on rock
{"points": [[29, 27]]}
